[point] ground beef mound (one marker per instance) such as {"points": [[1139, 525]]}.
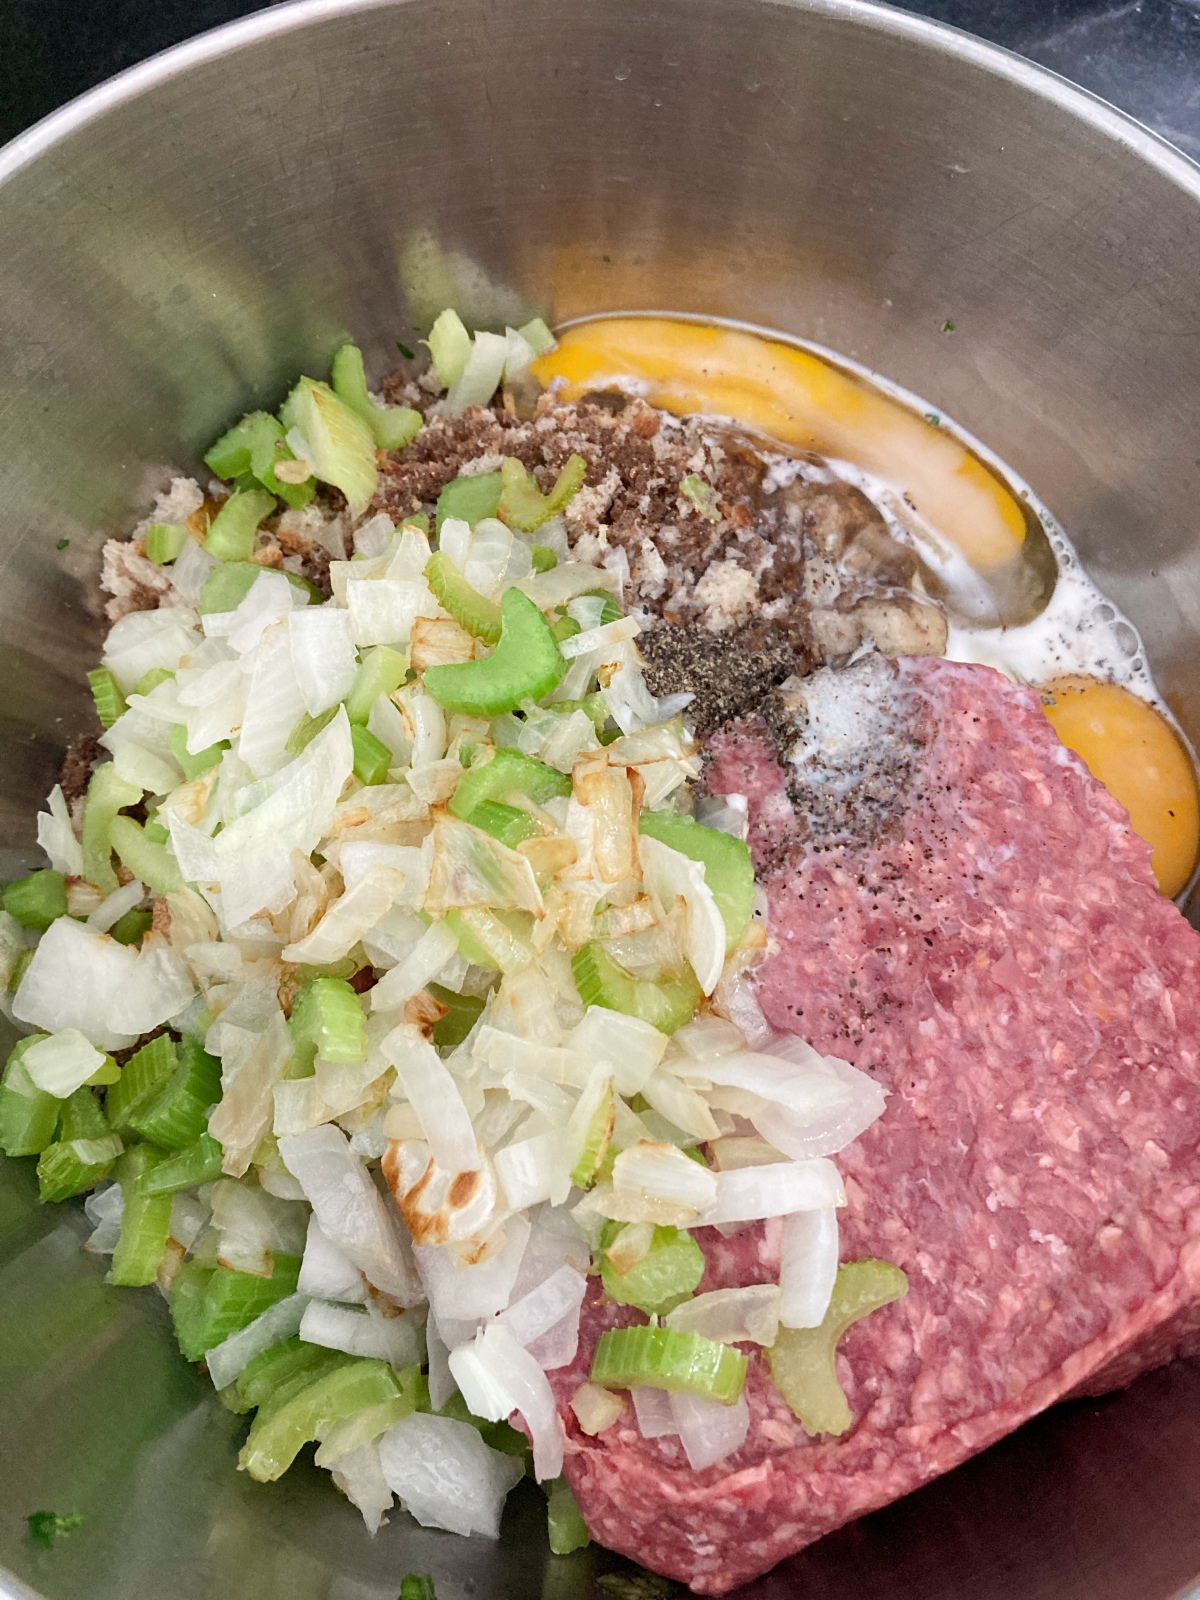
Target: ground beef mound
{"points": [[1003, 963]]}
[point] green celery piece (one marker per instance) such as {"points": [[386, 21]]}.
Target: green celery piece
{"points": [[596, 1141], [193, 766], [525, 665], [499, 1435], [523, 505], [537, 336], [544, 559], [417, 1586], [665, 1358], [328, 1015], [509, 824], [155, 831], [280, 1432], [233, 530], [107, 1072], [274, 1376], [601, 981], [143, 1077], [154, 864], [341, 448], [803, 1361], [391, 426], [149, 681], [106, 692], [702, 495], [381, 671], [73, 1166], [132, 927], [728, 869], [307, 729], [228, 585], [564, 1522], [463, 1011], [20, 967], [469, 500], [210, 1303], [610, 611], [450, 346], [189, 1306], [666, 1274], [565, 627], [177, 1114], [165, 542], [507, 772], [467, 606], [37, 900], [106, 795], [372, 758], [254, 446], [47, 1527], [592, 705], [145, 1221], [199, 1163], [28, 1115], [82, 1117]]}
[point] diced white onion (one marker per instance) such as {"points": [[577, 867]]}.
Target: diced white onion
{"points": [[632, 1048], [62, 1062], [325, 1273], [543, 1308], [596, 1409], [253, 1060], [274, 705], [709, 1431], [440, 1378], [534, 1169], [323, 658], [104, 1208], [652, 1407], [480, 378], [433, 950], [382, 610], [359, 1475], [114, 906], [143, 640], [807, 1267], [496, 1377], [348, 919], [435, 1096], [279, 1322], [732, 1316], [446, 1476], [252, 1225], [464, 1294], [669, 875], [663, 1172], [57, 838], [397, 1340], [748, 1194]]}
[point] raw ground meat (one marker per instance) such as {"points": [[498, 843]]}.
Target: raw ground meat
{"points": [[997, 954]]}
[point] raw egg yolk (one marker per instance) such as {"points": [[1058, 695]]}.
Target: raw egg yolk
{"points": [[1138, 757]]}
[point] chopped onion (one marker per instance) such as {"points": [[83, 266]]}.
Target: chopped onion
{"points": [[114, 906], [429, 956], [496, 1377], [709, 1431], [440, 1205], [61, 1063], [652, 1407], [104, 1208], [143, 640], [808, 1265], [564, 582], [748, 1194], [350, 1208], [397, 1340], [274, 705], [466, 1293], [480, 378], [382, 610], [57, 838], [662, 1172], [252, 1225], [322, 651], [348, 919], [534, 1169], [253, 1060], [359, 1475], [552, 1303], [279, 1322], [435, 1096], [471, 868], [708, 1038], [596, 1409], [681, 1106], [446, 1476], [325, 1273], [732, 1316], [670, 875], [440, 1378]]}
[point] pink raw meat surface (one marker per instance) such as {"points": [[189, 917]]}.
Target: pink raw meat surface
{"points": [[996, 954]]}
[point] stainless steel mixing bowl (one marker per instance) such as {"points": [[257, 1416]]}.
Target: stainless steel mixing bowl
{"points": [[176, 246]]}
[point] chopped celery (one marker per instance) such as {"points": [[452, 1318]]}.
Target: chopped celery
{"points": [[36, 900], [149, 681], [597, 1133], [106, 794], [462, 1013], [417, 1586], [82, 1117], [467, 606], [380, 671], [665, 1275], [177, 1114], [372, 758], [73, 1166], [469, 946], [199, 1163], [509, 824], [210, 1303], [28, 1115], [106, 692], [228, 585], [145, 1221], [338, 444], [307, 729], [537, 336], [143, 1078], [132, 927], [392, 427], [280, 1431], [20, 966], [107, 1072], [565, 627], [282, 1371], [728, 869], [193, 766], [543, 558], [592, 705], [255, 446], [47, 1527], [610, 611], [564, 1522], [233, 530], [803, 1361], [601, 981], [165, 542], [702, 495], [450, 346], [525, 665], [469, 500], [523, 505], [664, 1358], [507, 772], [154, 864], [328, 1016], [156, 831]]}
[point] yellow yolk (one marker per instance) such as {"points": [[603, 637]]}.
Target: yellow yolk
{"points": [[806, 404], [1138, 757]]}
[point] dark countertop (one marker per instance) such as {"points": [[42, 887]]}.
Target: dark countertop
{"points": [[1142, 55]]}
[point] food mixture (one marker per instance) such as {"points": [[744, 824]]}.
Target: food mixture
{"points": [[617, 928]]}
